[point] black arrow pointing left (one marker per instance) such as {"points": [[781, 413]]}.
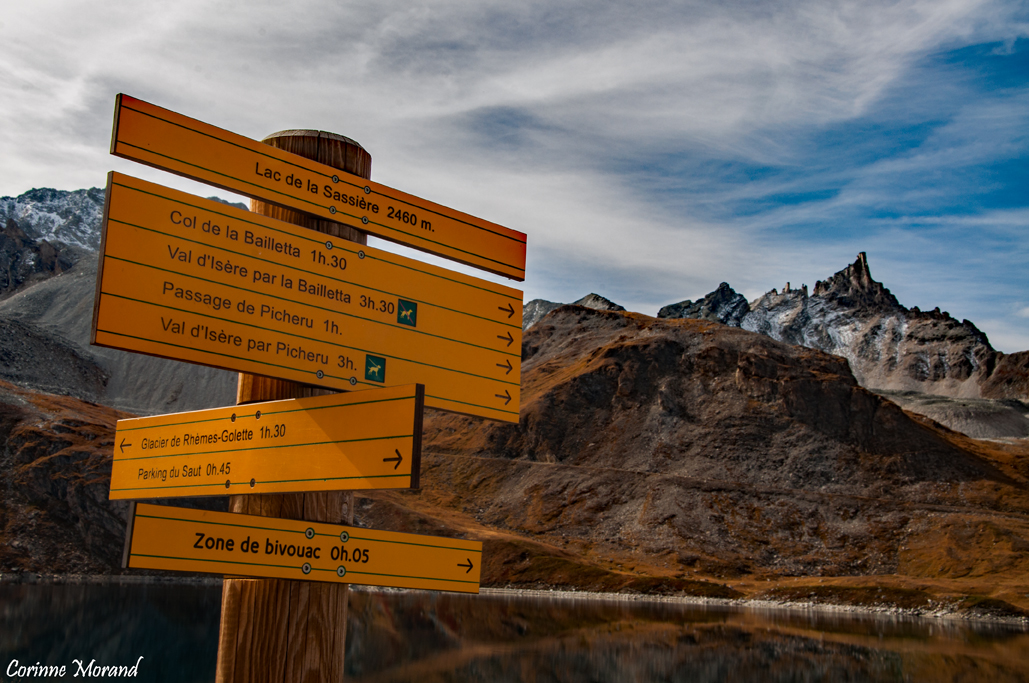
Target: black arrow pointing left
{"points": [[123, 445], [399, 459]]}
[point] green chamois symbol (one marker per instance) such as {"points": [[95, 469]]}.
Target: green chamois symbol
{"points": [[407, 313], [375, 368]]}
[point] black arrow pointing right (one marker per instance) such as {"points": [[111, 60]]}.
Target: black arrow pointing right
{"points": [[506, 364], [510, 310], [469, 565], [507, 338], [399, 459], [506, 395], [123, 445]]}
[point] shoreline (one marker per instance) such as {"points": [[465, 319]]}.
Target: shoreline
{"points": [[892, 612]]}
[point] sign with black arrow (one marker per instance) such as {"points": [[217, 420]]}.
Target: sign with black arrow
{"points": [[180, 539], [356, 440], [192, 279]]}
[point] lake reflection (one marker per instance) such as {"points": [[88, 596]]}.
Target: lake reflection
{"points": [[441, 637], [414, 636], [174, 627]]}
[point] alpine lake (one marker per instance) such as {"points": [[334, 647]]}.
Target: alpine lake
{"points": [[504, 636]]}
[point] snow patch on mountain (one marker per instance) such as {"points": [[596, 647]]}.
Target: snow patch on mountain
{"points": [[888, 346], [58, 216]]}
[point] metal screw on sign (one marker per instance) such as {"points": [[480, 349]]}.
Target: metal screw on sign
{"points": [[227, 483], [341, 571], [306, 568], [335, 178], [360, 254], [332, 209], [320, 374], [353, 381], [344, 536], [328, 244], [364, 219], [309, 533], [367, 190], [253, 482]]}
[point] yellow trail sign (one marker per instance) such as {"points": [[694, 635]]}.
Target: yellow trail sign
{"points": [[195, 280], [357, 440], [179, 539], [173, 142]]}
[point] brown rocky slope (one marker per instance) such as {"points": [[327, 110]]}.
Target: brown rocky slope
{"points": [[652, 455], [684, 448]]}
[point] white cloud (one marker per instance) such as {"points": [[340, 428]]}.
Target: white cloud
{"points": [[544, 116]]}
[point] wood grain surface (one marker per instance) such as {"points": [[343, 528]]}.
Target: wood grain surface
{"points": [[290, 631]]}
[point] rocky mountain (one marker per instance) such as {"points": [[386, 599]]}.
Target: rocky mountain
{"points": [[48, 262], [23, 259], [724, 305], [703, 446], [57, 216], [45, 233], [537, 308], [888, 346], [652, 455]]}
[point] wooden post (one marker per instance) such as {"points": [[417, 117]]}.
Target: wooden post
{"points": [[277, 630]]}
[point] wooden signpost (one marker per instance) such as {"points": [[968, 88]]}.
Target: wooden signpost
{"points": [[163, 537], [192, 279], [359, 440], [294, 309], [173, 142]]}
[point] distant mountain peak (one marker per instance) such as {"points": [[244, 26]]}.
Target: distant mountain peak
{"points": [[853, 287], [724, 305], [58, 216], [887, 345], [599, 303]]}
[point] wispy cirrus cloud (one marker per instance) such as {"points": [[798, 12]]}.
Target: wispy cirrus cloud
{"points": [[650, 150]]}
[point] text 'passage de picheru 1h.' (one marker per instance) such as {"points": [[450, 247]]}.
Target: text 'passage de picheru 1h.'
{"points": [[193, 279]]}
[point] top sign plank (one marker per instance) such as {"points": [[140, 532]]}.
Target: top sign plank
{"points": [[169, 141]]}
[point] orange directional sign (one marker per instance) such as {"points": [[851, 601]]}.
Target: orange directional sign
{"points": [[357, 440], [179, 539], [172, 142], [195, 280]]}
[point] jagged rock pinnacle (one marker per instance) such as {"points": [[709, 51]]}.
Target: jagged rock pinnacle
{"points": [[854, 287]]}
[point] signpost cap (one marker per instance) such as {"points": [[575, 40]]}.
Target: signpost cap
{"points": [[310, 133]]}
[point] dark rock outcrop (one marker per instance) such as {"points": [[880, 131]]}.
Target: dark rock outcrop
{"points": [[24, 260], [724, 305]]}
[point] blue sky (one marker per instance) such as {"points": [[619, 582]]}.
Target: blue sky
{"points": [[650, 151]]}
